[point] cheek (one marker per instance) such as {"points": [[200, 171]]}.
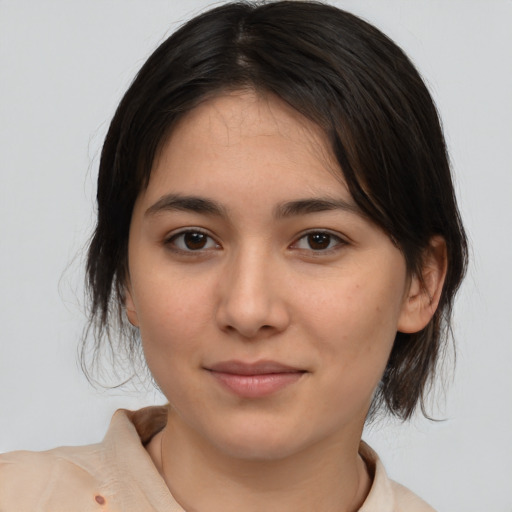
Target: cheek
{"points": [[355, 326], [172, 307], [172, 318], [355, 311]]}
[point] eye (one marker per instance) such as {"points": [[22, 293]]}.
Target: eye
{"points": [[192, 240], [318, 241]]}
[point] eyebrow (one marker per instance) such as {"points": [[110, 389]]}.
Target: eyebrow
{"points": [[201, 205], [315, 205], [177, 202]]}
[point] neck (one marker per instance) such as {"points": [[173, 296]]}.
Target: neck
{"points": [[327, 477]]}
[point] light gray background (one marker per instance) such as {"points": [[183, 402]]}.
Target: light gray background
{"points": [[64, 65]]}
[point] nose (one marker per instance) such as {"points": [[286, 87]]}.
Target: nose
{"points": [[252, 299]]}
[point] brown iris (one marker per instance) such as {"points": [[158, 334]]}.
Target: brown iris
{"points": [[195, 240], [319, 241]]}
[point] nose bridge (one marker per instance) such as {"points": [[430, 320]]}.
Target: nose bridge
{"points": [[250, 299]]}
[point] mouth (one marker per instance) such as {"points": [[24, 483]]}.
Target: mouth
{"points": [[254, 380]]}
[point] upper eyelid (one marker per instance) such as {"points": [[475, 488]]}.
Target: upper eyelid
{"points": [[183, 231], [336, 234]]}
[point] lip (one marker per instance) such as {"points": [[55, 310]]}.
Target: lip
{"points": [[255, 380]]}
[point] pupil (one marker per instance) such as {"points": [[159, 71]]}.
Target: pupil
{"points": [[195, 241], [319, 241]]}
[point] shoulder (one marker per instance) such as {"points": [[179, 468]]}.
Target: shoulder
{"points": [[385, 494], [52, 480], [407, 501], [116, 474]]}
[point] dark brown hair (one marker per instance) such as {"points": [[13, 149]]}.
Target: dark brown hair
{"points": [[338, 71]]}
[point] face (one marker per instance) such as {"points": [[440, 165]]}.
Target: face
{"points": [[267, 303]]}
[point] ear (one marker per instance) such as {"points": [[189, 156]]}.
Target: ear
{"points": [[422, 298], [131, 312]]}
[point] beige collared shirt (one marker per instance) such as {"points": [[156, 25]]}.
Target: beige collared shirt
{"points": [[118, 475]]}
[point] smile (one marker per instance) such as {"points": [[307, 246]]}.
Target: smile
{"points": [[255, 380]]}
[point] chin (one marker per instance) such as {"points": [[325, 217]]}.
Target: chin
{"points": [[262, 442]]}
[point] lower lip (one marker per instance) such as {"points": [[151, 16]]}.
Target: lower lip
{"points": [[256, 386]]}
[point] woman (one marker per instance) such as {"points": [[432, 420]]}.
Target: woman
{"points": [[276, 221]]}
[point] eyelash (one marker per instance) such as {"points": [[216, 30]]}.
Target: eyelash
{"points": [[331, 238], [171, 241]]}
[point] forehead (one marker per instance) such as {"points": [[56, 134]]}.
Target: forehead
{"points": [[245, 137], [233, 115]]}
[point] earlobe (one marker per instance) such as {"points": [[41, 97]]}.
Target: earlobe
{"points": [[131, 312], [424, 290]]}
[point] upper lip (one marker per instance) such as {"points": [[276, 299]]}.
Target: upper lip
{"points": [[257, 368]]}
